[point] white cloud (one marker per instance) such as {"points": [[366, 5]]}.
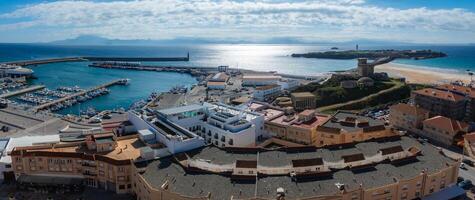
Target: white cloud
{"points": [[207, 18]]}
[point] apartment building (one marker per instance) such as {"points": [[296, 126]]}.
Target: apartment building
{"points": [[440, 102], [102, 161], [346, 127], [407, 117], [443, 130], [413, 171], [300, 128], [469, 145], [188, 127], [267, 92], [469, 94], [303, 100]]}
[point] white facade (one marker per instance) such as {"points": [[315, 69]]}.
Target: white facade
{"points": [[219, 124], [261, 93], [176, 138], [6, 159], [288, 84], [260, 80]]}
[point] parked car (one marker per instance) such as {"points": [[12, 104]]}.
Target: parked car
{"points": [[468, 162], [466, 184], [462, 166], [460, 179]]}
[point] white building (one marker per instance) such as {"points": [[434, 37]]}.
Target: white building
{"points": [[7, 145], [260, 80], [288, 84], [269, 91], [219, 124], [176, 138]]}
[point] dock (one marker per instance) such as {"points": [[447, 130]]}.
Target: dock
{"points": [[22, 91], [61, 100], [138, 59], [96, 59], [194, 71], [45, 61]]}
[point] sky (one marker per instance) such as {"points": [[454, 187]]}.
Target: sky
{"points": [[415, 21]]}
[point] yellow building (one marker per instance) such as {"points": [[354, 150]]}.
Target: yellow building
{"points": [[374, 171], [300, 128], [103, 161], [346, 127]]}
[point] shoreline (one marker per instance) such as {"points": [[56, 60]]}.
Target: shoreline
{"points": [[421, 75]]}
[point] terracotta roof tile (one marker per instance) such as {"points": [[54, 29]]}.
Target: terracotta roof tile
{"points": [[446, 95], [409, 109], [447, 124]]}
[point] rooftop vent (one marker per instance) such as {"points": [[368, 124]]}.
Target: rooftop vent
{"points": [[280, 192], [340, 186]]}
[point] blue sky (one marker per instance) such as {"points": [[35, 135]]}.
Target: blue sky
{"points": [[420, 21]]}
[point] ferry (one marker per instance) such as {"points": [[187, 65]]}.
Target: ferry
{"points": [[15, 71]]}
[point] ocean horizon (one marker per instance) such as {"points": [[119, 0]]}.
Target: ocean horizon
{"points": [[259, 57], [253, 57]]}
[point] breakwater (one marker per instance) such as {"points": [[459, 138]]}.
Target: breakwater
{"points": [[98, 58]]}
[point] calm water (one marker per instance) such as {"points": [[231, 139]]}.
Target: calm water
{"points": [[141, 83], [256, 57]]}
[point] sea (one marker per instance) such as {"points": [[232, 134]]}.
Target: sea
{"points": [[244, 56]]}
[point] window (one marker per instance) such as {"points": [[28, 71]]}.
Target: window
{"points": [[230, 142], [121, 187]]}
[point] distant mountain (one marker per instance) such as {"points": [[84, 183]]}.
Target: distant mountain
{"points": [[97, 40]]}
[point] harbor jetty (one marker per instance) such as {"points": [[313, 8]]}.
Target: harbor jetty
{"points": [[45, 61], [22, 91], [98, 58], [194, 71], [77, 94], [138, 59]]}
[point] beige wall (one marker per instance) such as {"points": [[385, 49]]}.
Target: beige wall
{"points": [[95, 171], [421, 185]]}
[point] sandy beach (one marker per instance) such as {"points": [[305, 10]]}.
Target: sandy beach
{"points": [[421, 75]]}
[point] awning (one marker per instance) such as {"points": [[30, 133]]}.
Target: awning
{"points": [[447, 193], [49, 180]]}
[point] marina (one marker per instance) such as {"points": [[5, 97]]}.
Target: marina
{"points": [[22, 91], [75, 97]]}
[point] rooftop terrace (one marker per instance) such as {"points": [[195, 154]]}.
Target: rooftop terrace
{"points": [[127, 149], [351, 122], [200, 184]]}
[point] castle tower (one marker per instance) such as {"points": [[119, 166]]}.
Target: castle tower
{"points": [[365, 69]]}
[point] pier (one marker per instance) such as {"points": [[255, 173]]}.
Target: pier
{"points": [[138, 59], [45, 61], [61, 100], [22, 91], [98, 58], [194, 71]]}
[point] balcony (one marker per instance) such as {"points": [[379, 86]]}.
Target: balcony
{"points": [[89, 174], [85, 164]]}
